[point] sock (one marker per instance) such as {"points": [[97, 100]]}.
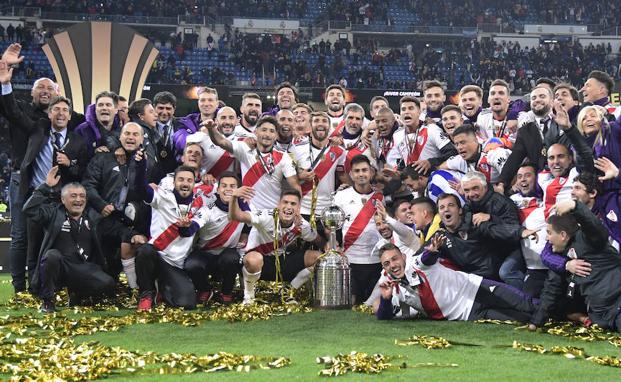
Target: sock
{"points": [[129, 267], [302, 277], [374, 295], [250, 280]]}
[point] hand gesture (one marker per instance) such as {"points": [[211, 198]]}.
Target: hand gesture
{"points": [[380, 210], [62, 159], [184, 221], [102, 149], [107, 210], [605, 165], [336, 141], [560, 116], [209, 179], [565, 207], [6, 72], [479, 218], [207, 125], [11, 54], [578, 267], [386, 289], [244, 192], [530, 233], [53, 177], [422, 166], [139, 155], [306, 175], [436, 242], [139, 239]]}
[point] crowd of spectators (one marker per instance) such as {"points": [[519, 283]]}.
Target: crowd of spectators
{"points": [[442, 12]]}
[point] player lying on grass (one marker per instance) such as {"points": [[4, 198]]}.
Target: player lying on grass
{"points": [[423, 287]]}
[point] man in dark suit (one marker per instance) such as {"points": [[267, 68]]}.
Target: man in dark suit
{"points": [[70, 253], [165, 104], [42, 92], [535, 137], [50, 143]]}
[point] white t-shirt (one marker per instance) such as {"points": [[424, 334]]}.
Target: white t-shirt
{"points": [[359, 239], [403, 237], [333, 159], [242, 132], [165, 234], [425, 143], [555, 189], [261, 237], [264, 174], [490, 127]]}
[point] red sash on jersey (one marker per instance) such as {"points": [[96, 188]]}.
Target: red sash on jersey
{"points": [[338, 131], [351, 153], [322, 168], [222, 237], [268, 248], [485, 168], [415, 152], [427, 299], [172, 232], [257, 170], [224, 162], [525, 211], [551, 193], [361, 221]]}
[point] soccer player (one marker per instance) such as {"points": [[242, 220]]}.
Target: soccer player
{"points": [[250, 112], [334, 99], [284, 225]]}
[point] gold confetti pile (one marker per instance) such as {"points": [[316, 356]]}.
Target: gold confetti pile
{"points": [[579, 332], [363, 308], [570, 352], [355, 362], [428, 342]]}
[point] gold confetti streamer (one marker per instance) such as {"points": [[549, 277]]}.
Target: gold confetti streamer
{"points": [[363, 308], [428, 342], [569, 352]]}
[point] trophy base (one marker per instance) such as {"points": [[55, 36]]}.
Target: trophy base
{"points": [[332, 307]]}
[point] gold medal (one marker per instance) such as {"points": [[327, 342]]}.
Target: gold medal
{"points": [[544, 152], [164, 154]]}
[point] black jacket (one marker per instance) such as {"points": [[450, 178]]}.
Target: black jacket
{"points": [[529, 145], [51, 215], [501, 208], [480, 250], [602, 287], [105, 178]]}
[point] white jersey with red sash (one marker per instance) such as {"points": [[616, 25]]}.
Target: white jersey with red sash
{"points": [[490, 127], [206, 191], [489, 163], [325, 162], [441, 293], [387, 148], [165, 235], [216, 160], [359, 231], [263, 172], [531, 213], [355, 147], [261, 237], [337, 123], [219, 232], [242, 132], [423, 144], [555, 189]]}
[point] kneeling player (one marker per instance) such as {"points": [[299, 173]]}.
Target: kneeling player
{"points": [[262, 260], [425, 287]]}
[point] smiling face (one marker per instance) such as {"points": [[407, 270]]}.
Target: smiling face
{"points": [[361, 174], [498, 99], [251, 110], [285, 125], [376, 106], [593, 90], [74, 200], [409, 112], [403, 214], [285, 98], [540, 101], [288, 208], [591, 123], [192, 156], [320, 127], [451, 120], [434, 98], [335, 100], [105, 110], [301, 121], [420, 215], [184, 183], [474, 190], [207, 104], [526, 180], [226, 186], [148, 116], [393, 262], [131, 137], [385, 121], [559, 160], [353, 121], [165, 112], [266, 135], [43, 91], [563, 95], [450, 213], [470, 103], [59, 115], [226, 120], [558, 240]]}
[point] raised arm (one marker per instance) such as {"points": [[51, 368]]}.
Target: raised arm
{"points": [[236, 213], [216, 137]]}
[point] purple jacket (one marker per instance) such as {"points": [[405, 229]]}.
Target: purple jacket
{"points": [[91, 132], [189, 125]]}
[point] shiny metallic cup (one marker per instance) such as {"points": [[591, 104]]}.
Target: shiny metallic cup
{"points": [[332, 272]]}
